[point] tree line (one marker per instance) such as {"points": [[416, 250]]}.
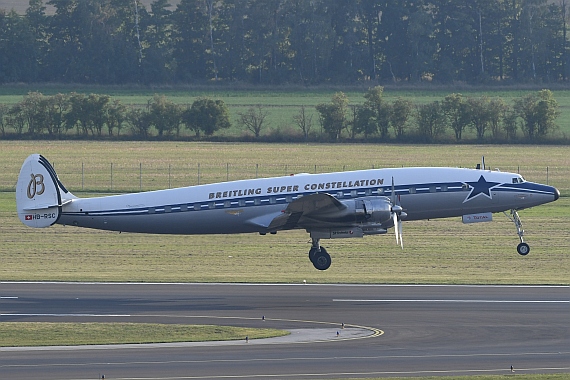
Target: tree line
{"points": [[286, 41], [96, 115]]}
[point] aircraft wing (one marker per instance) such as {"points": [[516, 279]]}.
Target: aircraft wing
{"points": [[310, 205]]}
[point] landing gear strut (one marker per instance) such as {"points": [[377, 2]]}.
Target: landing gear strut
{"points": [[523, 248], [318, 255]]}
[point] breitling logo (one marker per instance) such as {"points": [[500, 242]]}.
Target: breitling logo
{"points": [[481, 187]]}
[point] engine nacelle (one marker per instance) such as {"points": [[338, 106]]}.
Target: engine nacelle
{"points": [[375, 210]]}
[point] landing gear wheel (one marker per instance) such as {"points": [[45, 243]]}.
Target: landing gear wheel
{"points": [[321, 260], [523, 249], [312, 252]]}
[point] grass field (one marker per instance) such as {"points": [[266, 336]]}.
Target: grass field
{"points": [[21, 334], [283, 103], [438, 251]]}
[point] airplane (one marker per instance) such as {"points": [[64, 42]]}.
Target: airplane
{"points": [[331, 205]]}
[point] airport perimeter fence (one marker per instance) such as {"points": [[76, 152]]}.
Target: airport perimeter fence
{"points": [[114, 178]]}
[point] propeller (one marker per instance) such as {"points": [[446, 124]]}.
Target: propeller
{"points": [[396, 211]]}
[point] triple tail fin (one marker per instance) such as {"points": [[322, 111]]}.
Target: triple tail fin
{"points": [[40, 195]]}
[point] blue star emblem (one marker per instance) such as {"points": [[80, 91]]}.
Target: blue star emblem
{"points": [[480, 187]]}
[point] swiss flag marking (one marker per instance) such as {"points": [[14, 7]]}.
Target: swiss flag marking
{"points": [[28, 217]]}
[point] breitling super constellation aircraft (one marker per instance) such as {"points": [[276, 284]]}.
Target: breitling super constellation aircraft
{"points": [[332, 205]]}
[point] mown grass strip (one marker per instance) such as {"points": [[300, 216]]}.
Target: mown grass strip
{"points": [[20, 334], [518, 376]]}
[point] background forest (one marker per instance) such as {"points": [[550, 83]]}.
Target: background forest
{"points": [[285, 41]]}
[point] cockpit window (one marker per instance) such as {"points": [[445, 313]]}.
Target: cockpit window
{"points": [[518, 180]]}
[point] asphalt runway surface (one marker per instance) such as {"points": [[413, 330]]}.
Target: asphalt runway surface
{"points": [[389, 331]]}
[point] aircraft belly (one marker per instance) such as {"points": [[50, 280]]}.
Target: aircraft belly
{"points": [[180, 223]]}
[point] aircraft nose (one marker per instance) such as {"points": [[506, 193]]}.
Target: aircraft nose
{"points": [[556, 193]]}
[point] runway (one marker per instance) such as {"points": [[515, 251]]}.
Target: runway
{"points": [[391, 330]]}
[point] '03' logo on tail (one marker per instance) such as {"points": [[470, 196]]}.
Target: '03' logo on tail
{"points": [[36, 185]]}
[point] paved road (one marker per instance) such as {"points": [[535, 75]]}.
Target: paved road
{"points": [[410, 330]]}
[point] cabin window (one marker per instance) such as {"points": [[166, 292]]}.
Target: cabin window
{"points": [[151, 210], [465, 187], [167, 208], [443, 187], [183, 207], [197, 207], [257, 201], [340, 194], [272, 200], [289, 198], [353, 193], [380, 191], [211, 205], [412, 190], [368, 192], [241, 202], [227, 204], [432, 189]]}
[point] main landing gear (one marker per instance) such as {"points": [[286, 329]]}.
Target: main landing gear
{"points": [[523, 248], [319, 256]]}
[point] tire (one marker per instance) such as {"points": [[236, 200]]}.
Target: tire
{"points": [[322, 260], [523, 249]]}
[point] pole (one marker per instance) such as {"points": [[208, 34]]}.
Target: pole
{"points": [[140, 176], [111, 176], [82, 177]]}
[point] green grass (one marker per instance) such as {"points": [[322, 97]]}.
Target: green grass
{"points": [[518, 376], [283, 103], [21, 334], [437, 251]]}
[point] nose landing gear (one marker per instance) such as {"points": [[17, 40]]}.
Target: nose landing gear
{"points": [[523, 248]]}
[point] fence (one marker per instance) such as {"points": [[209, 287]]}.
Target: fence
{"points": [[117, 178]]}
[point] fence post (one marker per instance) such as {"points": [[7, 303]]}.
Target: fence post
{"points": [[198, 173], [82, 177], [111, 176], [169, 183], [256, 169], [140, 176], [547, 175], [227, 171]]}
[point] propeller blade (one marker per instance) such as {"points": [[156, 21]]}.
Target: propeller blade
{"points": [[396, 213], [396, 229], [401, 236], [393, 196]]}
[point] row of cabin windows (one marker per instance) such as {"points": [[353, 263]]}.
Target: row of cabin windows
{"points": [[289, 198]]}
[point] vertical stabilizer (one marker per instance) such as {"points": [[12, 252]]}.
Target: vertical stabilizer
{"points": [[39, 193]]}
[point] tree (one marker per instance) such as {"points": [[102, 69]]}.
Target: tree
{"points": [[3, 119], [206, 115], [304, 121], [480, 115], [116, 116], [457, 111], [139, 121], [56, 106], [165, 116], [381, 109], [365, 121], [401, 112], [430, 120], [253, 119], [497, 111], [333, 115], [539, 112]]}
